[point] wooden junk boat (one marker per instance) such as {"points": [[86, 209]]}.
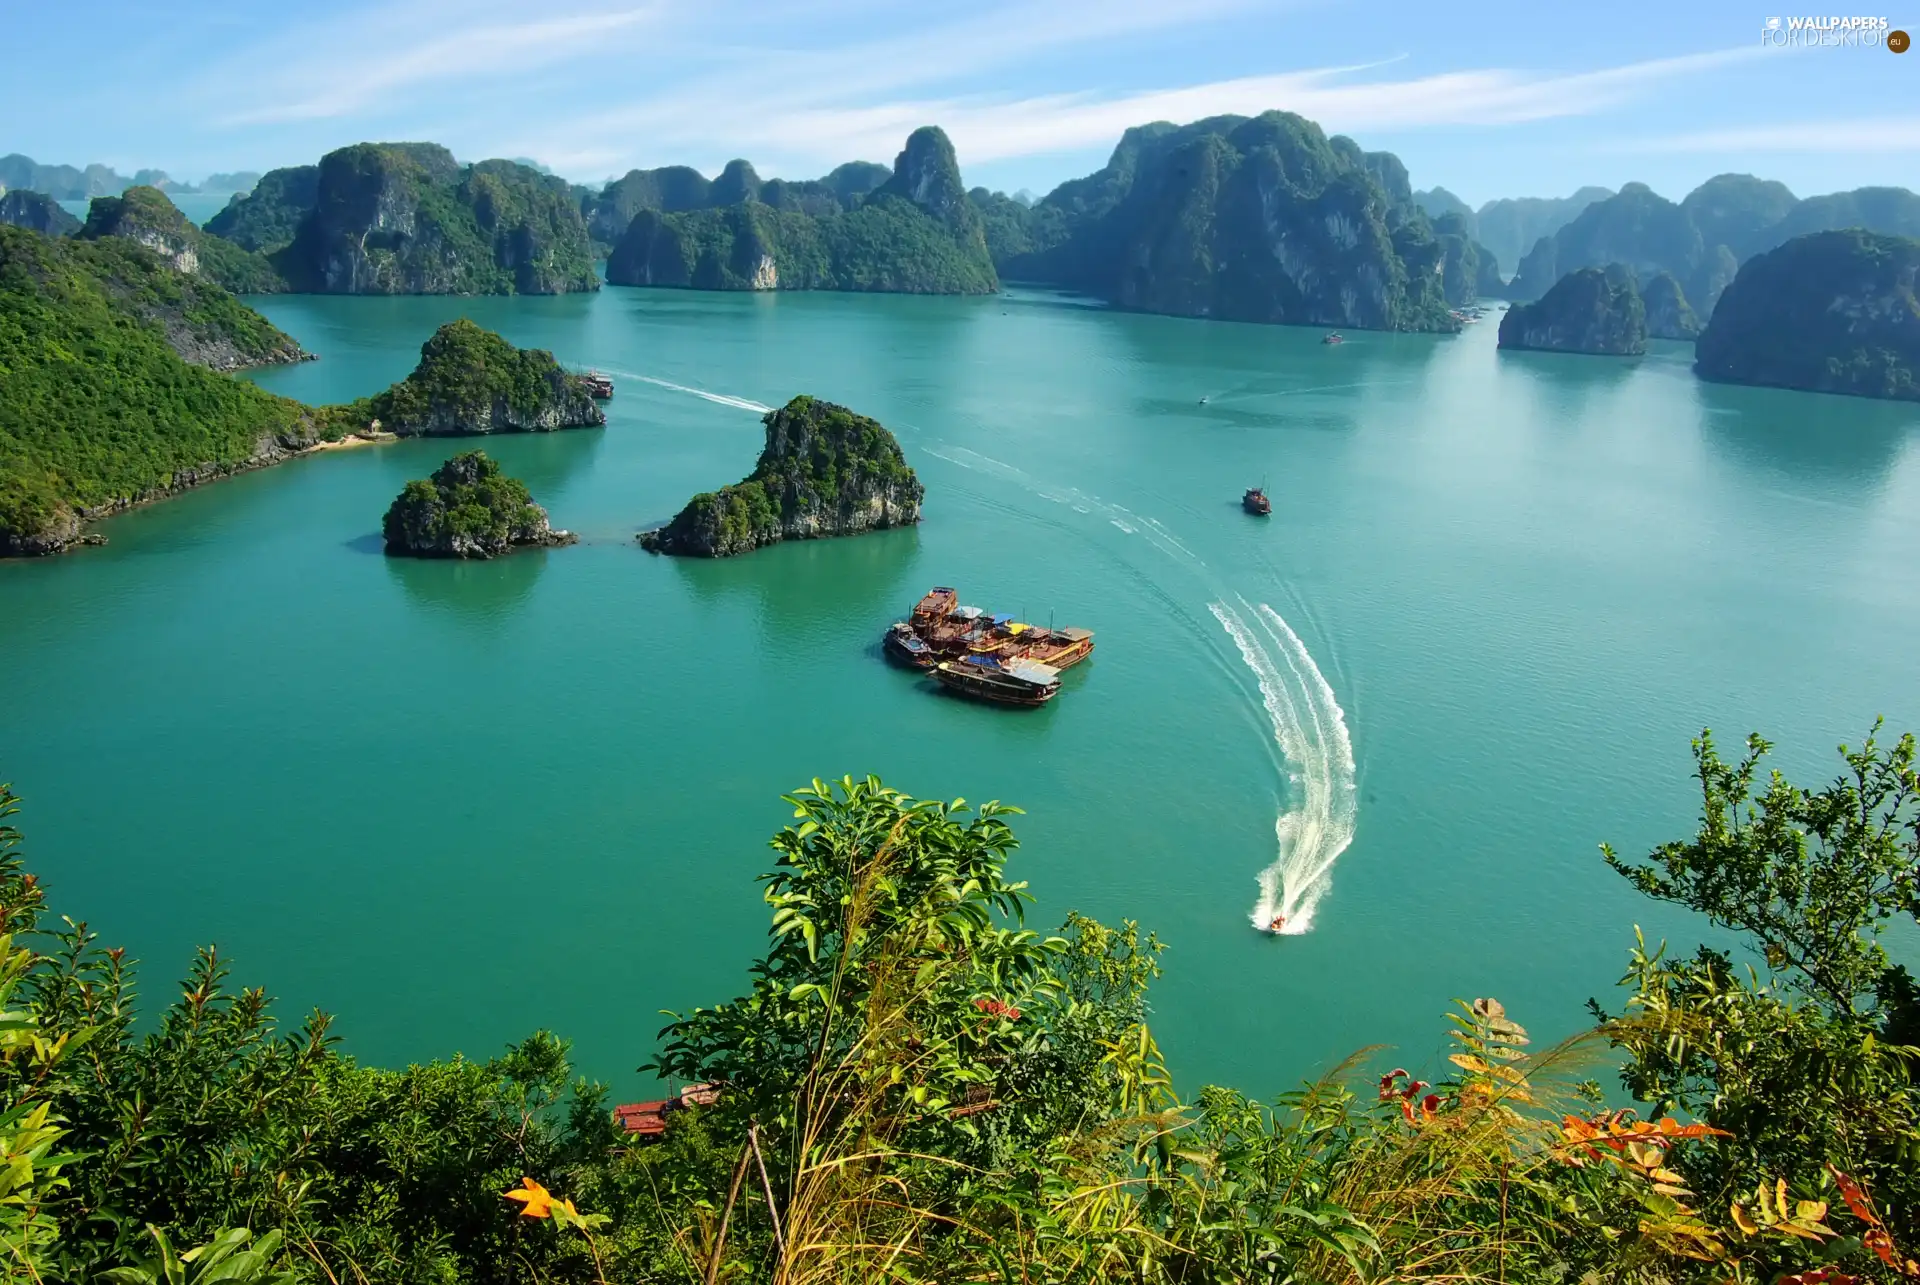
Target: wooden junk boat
{"points": [[599, 387], [1255, 501], [983, 655], [939, 628], [1004, 682]]}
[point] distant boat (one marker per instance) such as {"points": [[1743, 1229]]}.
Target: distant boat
{"points": [[1333, 337], [1255, 501], [599, 387], [1277, 923], [1203, 401]]}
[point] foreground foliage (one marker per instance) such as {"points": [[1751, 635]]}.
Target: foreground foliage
{"points": [[919, 1087]]}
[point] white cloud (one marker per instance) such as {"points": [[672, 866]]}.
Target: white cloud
{"points": [[823, 121], [990, 131], [1876, 135], [333, 77]]}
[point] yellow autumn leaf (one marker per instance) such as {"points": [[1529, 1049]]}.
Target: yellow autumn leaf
{"points": [[1780, 1197], [1811, 1211], [1468, 1062], [1743, 1221]]}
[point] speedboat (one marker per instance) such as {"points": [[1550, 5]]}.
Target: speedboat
{"points": [[907, 647], [1333, 337], [1278, 922]]}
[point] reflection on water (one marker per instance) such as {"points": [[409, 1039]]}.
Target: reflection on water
{"points": [[1840, 439], [486, 593], [1571, 371], [796, 584]]}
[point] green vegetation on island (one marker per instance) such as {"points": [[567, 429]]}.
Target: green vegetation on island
{"points": [[1669, 315], [144, 214], [1703, 240], [825, 471], [109, 357], [1592, 310], [470, 381], [266, 216], [1512, 226], [917, 1087], [1832, 312], [916, 233], [1468, 269], [38, 211], [104, 350], [677, 189], [467, 509], [1263, 219], [406, 218]]}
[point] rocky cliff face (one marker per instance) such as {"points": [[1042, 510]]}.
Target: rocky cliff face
{"points": [[1735, 210], [1669, 315], [146, 217], [406, 218], [1251, 220], [1833, 312], [668, 190], [916, 233], [265, 218], [467, 509], [471, 381], [37, 211], [106, 404], [1703, 240], [1467, 268], [1587, 311], [1636, 228], [1513, 225], [927, 173], [1438, 202], [677, 190], [825, 471]]}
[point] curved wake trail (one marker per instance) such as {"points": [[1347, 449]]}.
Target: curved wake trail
{"points": [[1311, 730], [1309, 727], [723, 399]]}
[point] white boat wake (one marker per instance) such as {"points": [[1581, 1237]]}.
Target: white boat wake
{"points": [[1311, 730], [723, 399], [1309, 727]]}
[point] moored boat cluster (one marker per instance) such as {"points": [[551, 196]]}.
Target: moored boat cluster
{"points": [[986, 656]]}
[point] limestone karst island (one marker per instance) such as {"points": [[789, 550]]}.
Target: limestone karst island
{"points": [[1226, 644]]}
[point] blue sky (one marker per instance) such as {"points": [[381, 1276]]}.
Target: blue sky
{"points": [[1489, 99]]}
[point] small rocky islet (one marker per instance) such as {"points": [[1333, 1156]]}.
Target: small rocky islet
{"points": [[1589, 311], [467, 509], [160, 417], [825, 471]]}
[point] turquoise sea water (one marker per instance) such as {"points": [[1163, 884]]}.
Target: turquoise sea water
{"points": [[452, 803]]}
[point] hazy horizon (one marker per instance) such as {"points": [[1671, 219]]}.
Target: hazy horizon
{"points": [[1505, 101]]}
